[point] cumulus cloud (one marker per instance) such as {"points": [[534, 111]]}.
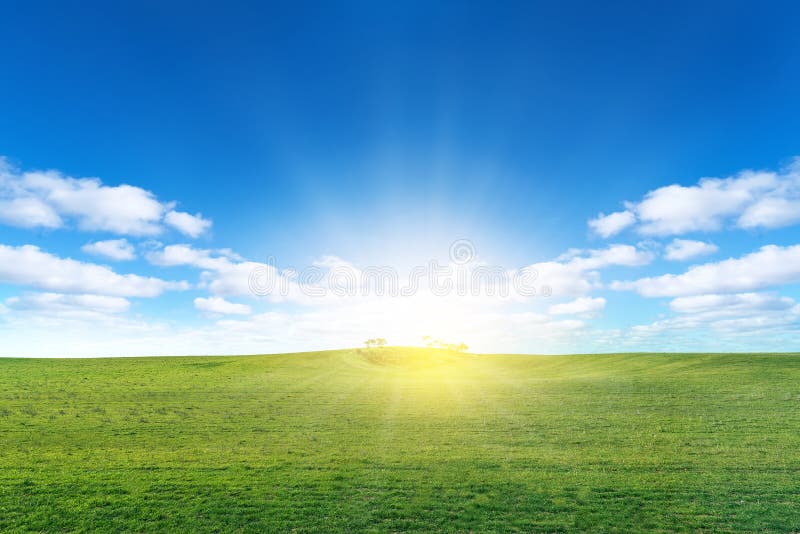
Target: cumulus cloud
{"points": [[676, 209], [576, 272], [624, 255], [183, 254], [218, 305], [50, 199], [771, 212], [188, 224], [115, 249], [123, 209], [769, 266], [28, 212], [749, 199], [613, 223], [579, 306], [30, 266], [225, 273], [686, 249]]}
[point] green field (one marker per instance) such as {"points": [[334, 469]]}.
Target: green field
{"points": [[393, 440]]}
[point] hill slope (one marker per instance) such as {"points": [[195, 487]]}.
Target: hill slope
{"points": [[399, 440]]}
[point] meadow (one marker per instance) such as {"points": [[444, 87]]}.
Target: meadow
{"points": [[398, 440]]}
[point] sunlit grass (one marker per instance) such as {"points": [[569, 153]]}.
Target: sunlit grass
{"points": [[401, 439]]}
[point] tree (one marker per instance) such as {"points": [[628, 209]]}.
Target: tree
{"points": [[375, 342]]}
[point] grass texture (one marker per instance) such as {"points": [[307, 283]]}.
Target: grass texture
{"points": [[399, 440]]}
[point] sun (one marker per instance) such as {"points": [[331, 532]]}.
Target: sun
{"points": [[419, 320]]}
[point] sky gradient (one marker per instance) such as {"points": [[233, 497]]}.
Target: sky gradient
{"points": [[639, 158]]}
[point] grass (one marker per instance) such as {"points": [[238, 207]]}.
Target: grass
{"points": [[392, 439]]}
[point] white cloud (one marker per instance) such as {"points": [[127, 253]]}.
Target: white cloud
{"points": [[30, 266], [769, 266], [624, 255], [183, 254], [50, 199], [233, 279], [713, 333], [28, 212], [188, 224], [771, 212], [729, 304], [115, 249], [749, 199], [575, 272], [123, 209], [582, 305], [225, 273], [613, 223], [717, 322], [218, 305], [572, 274], [685, 249], [676, 209], [61, 304]]}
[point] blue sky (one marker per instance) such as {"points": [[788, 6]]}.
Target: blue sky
{"points": [[352, 135]]}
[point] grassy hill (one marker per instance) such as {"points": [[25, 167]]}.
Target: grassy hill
{"points": [[402, 440]]}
